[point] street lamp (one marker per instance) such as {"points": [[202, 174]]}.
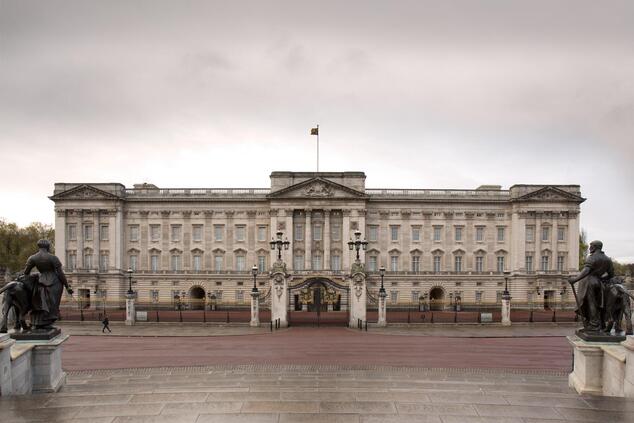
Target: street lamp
{"points": [[382, 273], [357, 244], [506, 283], [254, 272], [279, 244], [130, 272]]}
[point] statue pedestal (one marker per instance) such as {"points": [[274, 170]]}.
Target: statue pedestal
{"points": [[130, 313], [46, 369], [255, 309], [382, 320], [6, 382], [506, 310]]}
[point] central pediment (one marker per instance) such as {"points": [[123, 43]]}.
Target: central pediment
{"points": [[318, 187]]}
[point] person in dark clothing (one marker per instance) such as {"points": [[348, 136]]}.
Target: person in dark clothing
{"points": [[105, 322]]}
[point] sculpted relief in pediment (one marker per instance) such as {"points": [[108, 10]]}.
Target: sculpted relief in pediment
{"points": [[318, 189]]}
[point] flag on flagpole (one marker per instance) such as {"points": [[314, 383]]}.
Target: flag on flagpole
{"points": [[314, 131]]}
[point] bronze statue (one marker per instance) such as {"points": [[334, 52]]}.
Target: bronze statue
{"points": [[17, 297], [47, 292], [597, 271], [617, 306]]}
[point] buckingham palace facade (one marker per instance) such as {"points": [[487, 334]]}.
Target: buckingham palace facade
{"points": [[436, 245]]}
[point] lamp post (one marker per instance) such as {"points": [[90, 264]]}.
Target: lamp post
{"points": [[357, 244], [506, 301], [279, 245], [130, 313], [130, 272], [382, 273], [382, 319], [254, 272]]}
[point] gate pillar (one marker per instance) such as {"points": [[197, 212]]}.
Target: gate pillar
{"points": [[358, 295], [279, 293]]}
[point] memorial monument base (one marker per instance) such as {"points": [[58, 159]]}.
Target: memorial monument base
{"points": [[37, 335]]}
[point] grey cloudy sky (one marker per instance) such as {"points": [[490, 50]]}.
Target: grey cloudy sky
{"points": [[449, 94]]}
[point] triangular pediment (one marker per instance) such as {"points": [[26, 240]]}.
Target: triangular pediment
{"points": [[317, 188], [84, 192], [549, 194]]}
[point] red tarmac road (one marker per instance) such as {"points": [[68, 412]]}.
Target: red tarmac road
{"points": [[318, 346]]}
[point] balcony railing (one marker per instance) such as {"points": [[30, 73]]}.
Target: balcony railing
{"points": [[198, 192], [439, 193]]}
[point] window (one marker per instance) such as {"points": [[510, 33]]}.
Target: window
{"points": [[545, 263], [133, 262], [261, 264], [103, 262], [479, 234], [336, 231], [415, 263], [298, 262], [133, 230], [479, 264], [175, 262], [561, 263], [241, 263], [87, 232], [103, 232], [500, 261], [72, 232], [335, 262], [498, 296], [261, 233], [415, 233], [88, 260], [478, 296], [529, 263], [176, 232], [197, 233], [501, 234], [437, 233], [394, 233], [316, 262], [240, 233], [373, 233], [458, 233], [393, 297], [546, 233], [71, 261], [393, 263], [218, 263], [154, 295], [415, 296], [372, 264], [154, 263], [240, 296], [436, 264], [218, 232], [299, 232], [317, 233], [458, 263], [561, 233], [155, 232], [197, 263], [530, 233]]}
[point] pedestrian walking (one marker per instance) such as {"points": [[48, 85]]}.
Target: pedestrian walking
{"points": [[105, 322]]}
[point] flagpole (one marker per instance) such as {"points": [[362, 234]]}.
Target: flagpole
{"points": [[317, 148]]}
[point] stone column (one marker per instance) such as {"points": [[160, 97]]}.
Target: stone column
{"points": [[60, 236], [279, 294], [358, 298], [255, 309], [346, 254], [506, 309], [130, 313], [628, 381], [326, 238], [6, 380], [308, 241], [382, 322]]}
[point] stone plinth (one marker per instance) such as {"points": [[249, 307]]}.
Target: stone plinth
{"points": [[382, 320], [279, 297], [130, 313], [21, 368], [358, 298], [506, 310], [628, 377], [6, 382], [255, 309], [46, 364]]}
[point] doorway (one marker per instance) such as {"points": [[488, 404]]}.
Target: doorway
{"points": [[436, 298], [197, 298], [549, 300]]}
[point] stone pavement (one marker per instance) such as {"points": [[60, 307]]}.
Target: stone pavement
{"points": [[210, 329], [285, 394]]}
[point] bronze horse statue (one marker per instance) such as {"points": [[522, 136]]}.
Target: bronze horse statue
{"points": [[18, 295], [616, 305]]}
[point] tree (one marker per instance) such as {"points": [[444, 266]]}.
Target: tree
{"points": [[17, 244], [583, 248]]}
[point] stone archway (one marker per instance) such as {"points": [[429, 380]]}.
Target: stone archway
{"points": [[436, 298], [197, 298]]}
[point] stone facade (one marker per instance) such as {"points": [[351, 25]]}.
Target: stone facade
{"points": [[435, 244]]}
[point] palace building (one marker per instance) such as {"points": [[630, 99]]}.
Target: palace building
{"points": [[438, 247]]}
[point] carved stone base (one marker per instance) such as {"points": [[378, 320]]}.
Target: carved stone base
{"points": [[599, 337], [36, 335]]}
